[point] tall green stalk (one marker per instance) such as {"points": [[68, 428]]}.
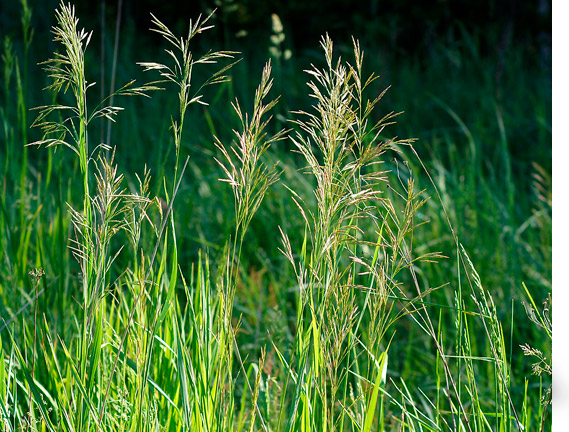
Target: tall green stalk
{"points": [[250, 180], [199, 410], [97, 223]]}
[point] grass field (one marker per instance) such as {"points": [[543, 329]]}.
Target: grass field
{"points": [[261, 240]]}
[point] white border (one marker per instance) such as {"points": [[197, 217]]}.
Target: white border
{"points": [[560, 52]]}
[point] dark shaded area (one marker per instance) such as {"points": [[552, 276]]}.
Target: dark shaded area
{"points": [[407, 27]]}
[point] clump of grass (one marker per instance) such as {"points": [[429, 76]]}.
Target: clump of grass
{"points": [[250, 180], [345, 278], [542, 365], [152, 342]]}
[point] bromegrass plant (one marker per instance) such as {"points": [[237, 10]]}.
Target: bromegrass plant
{"points": [[116, 329]]}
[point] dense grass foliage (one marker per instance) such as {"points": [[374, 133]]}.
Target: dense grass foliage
{"points": [[229, 241]]}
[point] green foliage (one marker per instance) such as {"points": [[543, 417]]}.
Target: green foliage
{"points": [[170, 303]]}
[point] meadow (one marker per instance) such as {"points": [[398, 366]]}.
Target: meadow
{"points": [[267, 240]]}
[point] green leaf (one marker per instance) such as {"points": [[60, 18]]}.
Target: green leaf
{"points": [[381, 376], [95, 351], [35, 389], [3, 390]]}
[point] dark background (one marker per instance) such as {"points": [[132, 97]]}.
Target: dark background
{"points": [[407, 26]]}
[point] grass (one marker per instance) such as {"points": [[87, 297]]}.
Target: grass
{"points": [[278, 263]]}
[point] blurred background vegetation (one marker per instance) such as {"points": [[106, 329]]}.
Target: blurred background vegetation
{"points": [[473, 80]]}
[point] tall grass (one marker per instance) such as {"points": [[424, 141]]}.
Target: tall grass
{"points": [[129, 334]]}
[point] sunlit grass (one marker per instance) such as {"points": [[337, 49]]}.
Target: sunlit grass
{"points": [[335, 286]]}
